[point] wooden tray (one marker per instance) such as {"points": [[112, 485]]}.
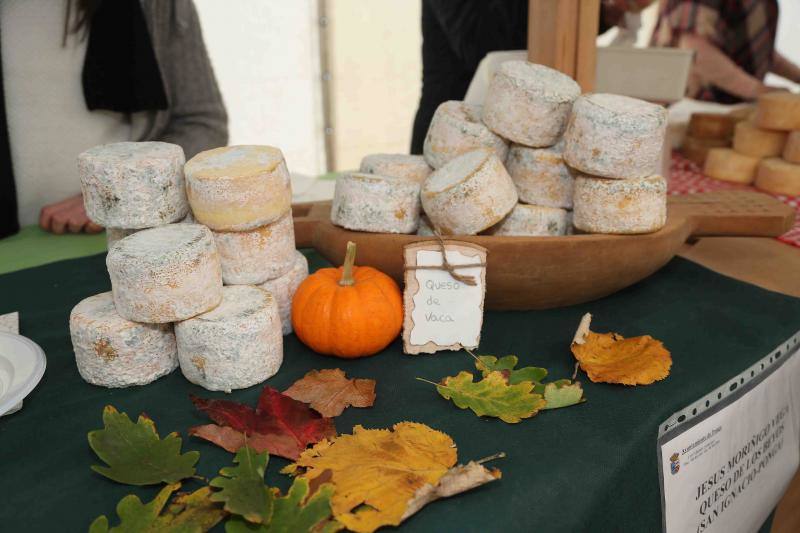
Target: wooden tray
{"points": [[546, 272]]}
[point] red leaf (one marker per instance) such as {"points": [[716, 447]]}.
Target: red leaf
{"points": [[279, 424]]}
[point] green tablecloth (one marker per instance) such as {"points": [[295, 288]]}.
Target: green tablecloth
{"points": [[588, 467]]}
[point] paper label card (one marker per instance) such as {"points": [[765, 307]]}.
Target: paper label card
{"points": [[443, 311]]}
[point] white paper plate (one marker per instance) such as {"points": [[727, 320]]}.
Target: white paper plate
{"points": [[22, 364]]}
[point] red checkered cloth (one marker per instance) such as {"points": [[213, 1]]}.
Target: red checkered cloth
{"points": [[686, 177]]}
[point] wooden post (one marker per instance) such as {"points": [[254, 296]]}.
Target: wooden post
{"points": [[562, 35]]}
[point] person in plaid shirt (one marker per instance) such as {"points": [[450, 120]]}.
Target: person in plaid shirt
{"points": [[734, 41]]}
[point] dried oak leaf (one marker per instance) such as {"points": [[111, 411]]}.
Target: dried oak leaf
{"points": [[492, 396], [242, 488], [300, 511], [329, 391], [611, 358], [382, 476], [135, 454], [194, 512], [279, 425]]}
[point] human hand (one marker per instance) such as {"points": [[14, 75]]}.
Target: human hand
{"points": [[67, 216]]}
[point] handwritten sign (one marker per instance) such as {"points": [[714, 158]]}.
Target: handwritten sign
{"points": [[443, 311]]}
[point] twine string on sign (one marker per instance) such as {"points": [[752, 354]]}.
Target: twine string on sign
{"points": [[449, 267]]}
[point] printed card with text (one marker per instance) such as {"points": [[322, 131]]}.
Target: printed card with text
{"points": [[443, 300]]}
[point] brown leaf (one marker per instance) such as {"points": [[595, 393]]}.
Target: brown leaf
{"points": [[611, 358], [329, 391]]}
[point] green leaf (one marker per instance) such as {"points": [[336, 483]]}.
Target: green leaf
{"points": [[243, 490], [135, 454], [560, 393], [492, 396], [188, 513], [489, 363], [291, 515]]}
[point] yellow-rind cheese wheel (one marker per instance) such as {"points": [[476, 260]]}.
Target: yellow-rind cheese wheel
{"points": [[779, 177], [791, 152], [728, 165], [748, 139], [711, 126], [778, 111]]}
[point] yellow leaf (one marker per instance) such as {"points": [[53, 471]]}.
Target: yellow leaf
{"points": [[377, 472], [611, 358]]}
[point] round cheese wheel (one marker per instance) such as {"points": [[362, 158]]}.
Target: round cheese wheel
{"points": [[696, 150], [253, 257], [456, 129], [751, 140], [533, 221], [529, 104], [235, 345], [165, 274], [620, 206], [115, 234], [541, 176], [779, 177], [778, 111], [133, 184], [711, 126], [378, 204], [791, 151], [469, 194], [615, 136], [284, 287], [425, 228], [728, 165], [238, 188], [114, 352], [411, 167]]}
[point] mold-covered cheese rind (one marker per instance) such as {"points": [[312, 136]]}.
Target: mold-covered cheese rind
{"points": [[620, 206], [115, 234], [615, 136], [541, 176], [456, 128], [253, 257], [412, 167], [284, 287], [529, 104], [238, 188], [532, 221], [235, 345], [111, 351], [469, 194], [165, 274], [377, 204], [133, 185]]}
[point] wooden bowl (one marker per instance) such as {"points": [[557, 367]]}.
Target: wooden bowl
{"points": [[546, 272]]}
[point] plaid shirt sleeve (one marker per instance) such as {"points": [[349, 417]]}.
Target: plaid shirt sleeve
{"points": [[678, 17]]}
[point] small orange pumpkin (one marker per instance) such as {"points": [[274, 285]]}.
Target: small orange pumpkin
{"points": [[349, 311]]}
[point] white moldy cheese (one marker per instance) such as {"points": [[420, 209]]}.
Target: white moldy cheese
{"points": [[412, 167], [620, 206], [469, 194], [615, 136], [541, 176], [425, 227], [238, 188], [165, 274], [378, 204], [133, 185], [456, 129], [529, 104], [115, 234], [113, 352], [235, 345], [253, 257], [532, 221], [284, 287]]}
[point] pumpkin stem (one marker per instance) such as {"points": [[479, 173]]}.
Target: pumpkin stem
{"points": [[347, 268]]}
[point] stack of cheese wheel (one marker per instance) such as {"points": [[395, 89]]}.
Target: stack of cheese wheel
{"points": [[243, 194], [707, 131], [779, 173], [129, 186], [758, 143], [614, 144]]}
